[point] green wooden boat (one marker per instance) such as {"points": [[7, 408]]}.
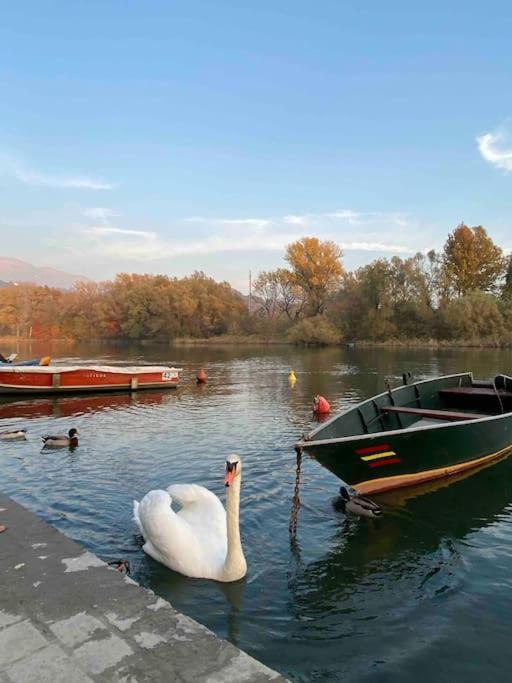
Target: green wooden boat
{"points": [[416, 432]]}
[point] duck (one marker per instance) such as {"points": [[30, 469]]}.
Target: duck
{"points": [[122, 566], [13, 434], [201, 540], [61, 440], [358, 505]]}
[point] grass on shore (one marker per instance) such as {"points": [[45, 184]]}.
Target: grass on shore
{"points": [[258, 340]]}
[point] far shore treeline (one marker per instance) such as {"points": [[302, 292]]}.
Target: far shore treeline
{"points": [[462, 294]]}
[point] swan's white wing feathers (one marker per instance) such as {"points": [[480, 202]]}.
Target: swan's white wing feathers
{"points": [[183, 542], [201, 508], [136, 517]]}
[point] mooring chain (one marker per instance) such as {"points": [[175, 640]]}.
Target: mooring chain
{"points": [[296, 495]]}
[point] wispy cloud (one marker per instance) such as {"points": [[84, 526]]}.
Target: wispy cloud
{"points": [[234, 222], [35, 178], [377, 247], [100, 213], [105, 231], [292, 219], [496, 148], [231, 235], [347, 217], [13, 167]]}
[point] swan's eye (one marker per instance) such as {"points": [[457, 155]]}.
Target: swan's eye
{"points": [[230, 466]]}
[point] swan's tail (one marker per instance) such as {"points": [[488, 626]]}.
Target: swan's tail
{"points": [[136, 517]]}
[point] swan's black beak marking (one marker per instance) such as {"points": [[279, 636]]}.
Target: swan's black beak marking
{"points": [[230, 473]]}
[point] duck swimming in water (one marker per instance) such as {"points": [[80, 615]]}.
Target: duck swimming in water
{"points": [[61, 441], [358, 505], [13, 434]]}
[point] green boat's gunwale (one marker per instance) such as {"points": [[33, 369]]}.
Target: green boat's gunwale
{"points": [[309, 441]]}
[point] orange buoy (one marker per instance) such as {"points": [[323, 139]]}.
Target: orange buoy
{"points": [[201, 376], [321, 405]]}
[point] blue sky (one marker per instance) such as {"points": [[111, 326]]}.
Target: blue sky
{"points": [[179, 136]]}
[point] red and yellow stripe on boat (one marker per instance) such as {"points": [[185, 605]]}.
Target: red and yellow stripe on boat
{"points": [[378, 456]]}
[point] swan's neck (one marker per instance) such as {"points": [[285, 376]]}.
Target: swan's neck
{"points": [[235, 565]]}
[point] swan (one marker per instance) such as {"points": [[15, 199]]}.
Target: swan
{"points": [[202, 539]]}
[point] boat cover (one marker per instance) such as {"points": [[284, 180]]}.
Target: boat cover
{"points": [[52, 369]]}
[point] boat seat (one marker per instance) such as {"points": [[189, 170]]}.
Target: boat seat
{"points": [[477, 392], [428, 422], [432, 414]]}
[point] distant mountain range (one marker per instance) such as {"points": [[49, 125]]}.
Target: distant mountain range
{"points": [[15, 270]]}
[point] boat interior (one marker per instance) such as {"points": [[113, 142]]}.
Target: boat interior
{"points": [[441, 400]]}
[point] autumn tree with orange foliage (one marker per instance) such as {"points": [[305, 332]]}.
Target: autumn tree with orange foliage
{"points": [[462, 293], [316, 269], [472, 261]]}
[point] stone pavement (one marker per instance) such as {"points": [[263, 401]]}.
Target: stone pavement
{"points": [[66, 616]]}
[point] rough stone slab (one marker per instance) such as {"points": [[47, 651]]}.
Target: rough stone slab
{"points": [[72, 617], [98, 655], [7, 619], [77, 629], [18, 641], [50, 665]]}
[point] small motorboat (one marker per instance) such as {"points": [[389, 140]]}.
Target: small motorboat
{"points": [[60, 379], [416, 432]]}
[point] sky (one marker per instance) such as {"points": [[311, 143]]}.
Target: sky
{"points": [[168, 137]]}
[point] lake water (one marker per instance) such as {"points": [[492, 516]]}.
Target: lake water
{"points": [[423, 593]]}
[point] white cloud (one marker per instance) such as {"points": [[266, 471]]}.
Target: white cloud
{"points": [[227, 235], [496, 148], [346, 214], [35, 178], [105, 231], [377, 247], [233, 222], [99, 213], [292, 219], [14, 168]]}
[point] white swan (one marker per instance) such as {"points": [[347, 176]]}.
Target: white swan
{"points": [[200, 540]]}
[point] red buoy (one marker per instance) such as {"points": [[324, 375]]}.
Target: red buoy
{"points": [[201, 377], [321, 405]]}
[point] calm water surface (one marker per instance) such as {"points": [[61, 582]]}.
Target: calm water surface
{"points": [[425, 592]]}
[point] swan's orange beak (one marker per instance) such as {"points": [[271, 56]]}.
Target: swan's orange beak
{"points": [[230, 474]]}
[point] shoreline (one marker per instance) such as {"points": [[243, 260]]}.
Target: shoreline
{"points": [[228, 340]]}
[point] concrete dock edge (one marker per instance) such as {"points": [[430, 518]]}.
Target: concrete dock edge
{"points": [[67, 616]]}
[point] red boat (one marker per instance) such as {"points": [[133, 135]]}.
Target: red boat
{"points": [[56, 379]]}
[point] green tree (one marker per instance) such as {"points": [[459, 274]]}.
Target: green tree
{"points": [[473, 316], [507, 285]]}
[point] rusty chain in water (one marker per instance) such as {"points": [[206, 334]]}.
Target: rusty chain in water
{"points": [[296, 496]]}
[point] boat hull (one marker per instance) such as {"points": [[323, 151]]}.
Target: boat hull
{"points": [[62, 380], [416, 455], [384, 459]]}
